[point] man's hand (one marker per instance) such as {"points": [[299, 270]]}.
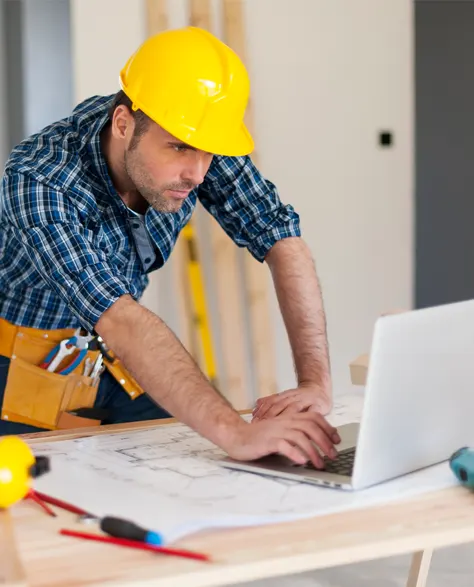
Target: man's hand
{"points": [[296, 436], [305, 398]]}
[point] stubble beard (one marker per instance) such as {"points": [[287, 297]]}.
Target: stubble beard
{"points": [[155, 198]]}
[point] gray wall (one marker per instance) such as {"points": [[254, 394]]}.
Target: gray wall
{"points": [[3, 90], [47, 78], [444, 151], [14, 71], [38, 66]]}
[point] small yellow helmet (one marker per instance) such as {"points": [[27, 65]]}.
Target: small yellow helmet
{"points": [[194, 86], [18, 466]]}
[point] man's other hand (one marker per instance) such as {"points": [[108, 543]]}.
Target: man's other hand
{"points": [[305, 398], [295, 436]]}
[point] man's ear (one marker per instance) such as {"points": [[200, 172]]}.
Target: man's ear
{"points": [[121, 122]]}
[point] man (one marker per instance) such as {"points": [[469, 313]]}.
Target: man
{"points": [[95, 202]]}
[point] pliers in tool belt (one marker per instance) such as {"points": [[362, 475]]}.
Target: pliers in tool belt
{"points": [[63, 349]]}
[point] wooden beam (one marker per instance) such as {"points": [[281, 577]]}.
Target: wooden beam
{"points": [[158, 21], [157, 16], [184, 277], [419, 568], [71, 434], [257, 278], [200, 14], [225, 267], [182, 291]]}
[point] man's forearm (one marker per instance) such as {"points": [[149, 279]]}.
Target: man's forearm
{"points": [[165, 370], [301, 304]]}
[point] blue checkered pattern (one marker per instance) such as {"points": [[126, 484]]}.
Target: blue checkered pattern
{"points": [[67, 251]]}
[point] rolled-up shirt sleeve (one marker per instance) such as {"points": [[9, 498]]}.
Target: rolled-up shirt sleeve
{"points": [[61, 247], [247, 205]]}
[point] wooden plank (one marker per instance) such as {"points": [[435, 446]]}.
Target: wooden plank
{"points": [[231, 319], [12, 573], [225, 266], [157, 21], [182, 294], [419, 569], [55, 435], [256, 275], [358, 369], [156, 16], [200, 14], [436, 520]]}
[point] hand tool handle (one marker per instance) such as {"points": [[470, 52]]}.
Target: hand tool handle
{"points": [[97, 366], [124, 529]]}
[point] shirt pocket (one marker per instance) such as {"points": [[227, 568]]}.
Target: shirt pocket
{"points": [[115, 246]]}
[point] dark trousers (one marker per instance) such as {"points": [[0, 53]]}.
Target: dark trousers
{"points": [[110, 397]]}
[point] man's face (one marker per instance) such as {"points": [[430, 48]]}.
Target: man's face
{"points": [[163, 169]]}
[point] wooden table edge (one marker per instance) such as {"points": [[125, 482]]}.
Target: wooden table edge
{"points": [[267, 567], [221, 573], [72, 433]]}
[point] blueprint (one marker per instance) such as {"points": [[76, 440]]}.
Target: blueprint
{"points": [[168, 478]]}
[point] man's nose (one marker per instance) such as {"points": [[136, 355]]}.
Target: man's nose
{"points": [[196, 170]]}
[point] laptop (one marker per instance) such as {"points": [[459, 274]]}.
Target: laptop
{"points": [[418, 403]]}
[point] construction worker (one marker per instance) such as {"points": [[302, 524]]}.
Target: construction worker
{"points": [[95, 202]]}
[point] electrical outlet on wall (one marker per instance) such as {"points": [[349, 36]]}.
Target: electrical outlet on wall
{"points": [[386, 138]]}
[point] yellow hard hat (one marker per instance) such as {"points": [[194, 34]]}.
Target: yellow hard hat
{"points": [[18, 466], [194, 86]]}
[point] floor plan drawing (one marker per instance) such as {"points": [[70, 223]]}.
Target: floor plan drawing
{"points": [[168, 478]]}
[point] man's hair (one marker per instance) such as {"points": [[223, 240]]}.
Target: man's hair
{"points": [[142, 121]]}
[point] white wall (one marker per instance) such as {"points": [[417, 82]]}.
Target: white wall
{"points": [[46, 63], [104, 34], [326, 77]]}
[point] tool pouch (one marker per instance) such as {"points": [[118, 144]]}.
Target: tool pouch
{"points": [[124, 377], [118, 371], [38, 397]]}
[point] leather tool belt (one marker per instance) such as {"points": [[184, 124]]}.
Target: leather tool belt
{"points": [[48, 399]]}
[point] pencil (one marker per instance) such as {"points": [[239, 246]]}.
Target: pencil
{"points": [[136, 544], [61, 504], [41, 502]]}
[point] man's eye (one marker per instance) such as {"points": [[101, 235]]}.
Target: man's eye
{"points": [[180, 148]]}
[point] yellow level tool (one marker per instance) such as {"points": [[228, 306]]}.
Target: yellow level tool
{"points": [[199, 306]]}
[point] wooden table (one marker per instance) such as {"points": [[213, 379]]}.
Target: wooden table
{"points": [[418, 526]]}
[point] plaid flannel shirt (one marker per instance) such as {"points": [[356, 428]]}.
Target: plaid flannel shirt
{"points": [[70, 247]]}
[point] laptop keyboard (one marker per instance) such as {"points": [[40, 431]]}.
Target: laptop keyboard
{"points": [[343, 465]]}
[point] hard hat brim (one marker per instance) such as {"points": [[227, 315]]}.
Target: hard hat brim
{"points": [[237, 144]]}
